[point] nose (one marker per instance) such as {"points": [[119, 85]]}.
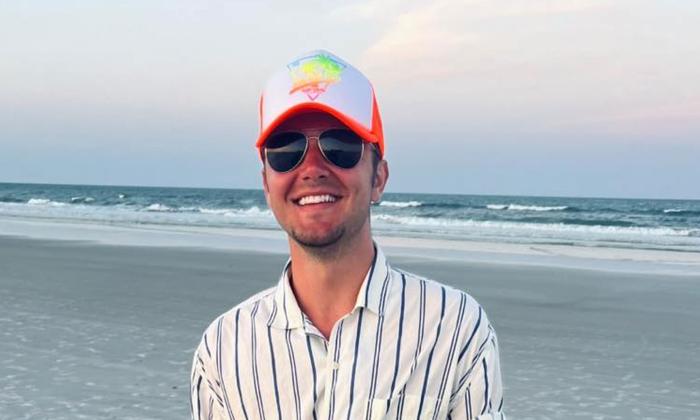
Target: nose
{"points": [[314, 165]]}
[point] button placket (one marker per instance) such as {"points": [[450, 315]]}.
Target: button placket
{"points": [[332, 363]]}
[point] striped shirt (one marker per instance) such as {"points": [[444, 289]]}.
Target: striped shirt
{"points": [[411, 348]]}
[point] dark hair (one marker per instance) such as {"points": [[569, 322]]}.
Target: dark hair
{"points": [[376, 158]]}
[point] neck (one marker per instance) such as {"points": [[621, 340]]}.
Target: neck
{"points": [[326, 281]]}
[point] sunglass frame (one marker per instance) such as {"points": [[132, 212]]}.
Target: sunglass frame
{"points": [[318, 142]]}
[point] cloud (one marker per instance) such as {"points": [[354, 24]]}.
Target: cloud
{"points": [[367, 10], [421, 41], [486, 9], [445, 37]]}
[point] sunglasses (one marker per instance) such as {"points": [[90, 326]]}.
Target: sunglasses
{"points": [[285, 151]]}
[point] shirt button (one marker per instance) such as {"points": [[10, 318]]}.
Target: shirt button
{"points": [[335, 365]]}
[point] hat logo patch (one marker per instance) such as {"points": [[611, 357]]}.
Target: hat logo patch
{"points": [[312, 75]]}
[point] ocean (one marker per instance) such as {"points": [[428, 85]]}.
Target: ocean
{"points": [[590, 222]]}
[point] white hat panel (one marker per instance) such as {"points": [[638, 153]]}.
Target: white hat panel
{"points": [[319, 77]]}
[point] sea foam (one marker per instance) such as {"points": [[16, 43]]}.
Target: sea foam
{"points": [[681, 212], [512, 227], [401, 204], [519, 207], [253, 211], [44, 202], [82, 199], [159, 207]]}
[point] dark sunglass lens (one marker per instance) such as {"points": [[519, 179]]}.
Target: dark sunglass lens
{"points": [[284, 151], [342, 148]]}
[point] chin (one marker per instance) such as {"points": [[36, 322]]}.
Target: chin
{"points": [[314, 240]]}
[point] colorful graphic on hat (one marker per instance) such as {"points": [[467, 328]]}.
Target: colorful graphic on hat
{"points": [[314, 74]]}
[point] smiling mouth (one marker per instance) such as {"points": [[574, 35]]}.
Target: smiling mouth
{"points": [[316, 199]]}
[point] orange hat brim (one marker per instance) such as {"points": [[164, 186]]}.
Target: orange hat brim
{"points": [[351, 123]]}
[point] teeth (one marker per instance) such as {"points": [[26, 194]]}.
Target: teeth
{"points": [[315, 199]]}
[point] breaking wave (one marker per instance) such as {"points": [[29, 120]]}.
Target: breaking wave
{"points": [[159, 207], [45, 202], [401, 204], [544, 227], [518, 207]]}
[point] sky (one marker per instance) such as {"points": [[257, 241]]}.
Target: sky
{"points": [[590, 98]]}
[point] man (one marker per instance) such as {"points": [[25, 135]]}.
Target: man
{"points": [[343, 335]]}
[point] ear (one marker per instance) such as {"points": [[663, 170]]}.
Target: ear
{"points": [[380, 179]]}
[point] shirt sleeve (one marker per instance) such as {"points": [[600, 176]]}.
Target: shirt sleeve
{"points": [[205, 388], [478, 393]]}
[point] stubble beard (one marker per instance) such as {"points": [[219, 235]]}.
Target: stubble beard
{"points": [[332, 243], [313, 241]]}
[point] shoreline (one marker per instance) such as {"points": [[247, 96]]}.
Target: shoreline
{"points": [[274, 241]]}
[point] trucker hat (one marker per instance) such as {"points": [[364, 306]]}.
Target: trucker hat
{"points": [[321, 81]]}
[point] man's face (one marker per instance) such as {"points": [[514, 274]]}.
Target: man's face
{"points": [[327, 223]]}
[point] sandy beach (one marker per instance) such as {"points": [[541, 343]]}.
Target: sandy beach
{"points": [[103, 331]]}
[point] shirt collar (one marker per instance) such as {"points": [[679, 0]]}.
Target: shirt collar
{"points": [[370, 294], [288, 315], [286, 311]]}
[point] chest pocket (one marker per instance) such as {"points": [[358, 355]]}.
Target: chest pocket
{"points": [[404, 407]]}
